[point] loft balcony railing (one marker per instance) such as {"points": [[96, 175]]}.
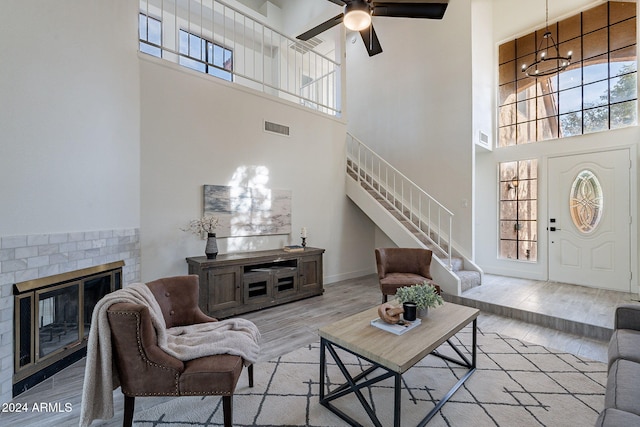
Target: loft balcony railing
{"points": [[214, 37], [428, 217]]}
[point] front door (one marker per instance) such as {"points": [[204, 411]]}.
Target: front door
{"points": [[589, 218]]}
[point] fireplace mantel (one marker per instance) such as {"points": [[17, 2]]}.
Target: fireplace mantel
{"points": [[64, 277]]}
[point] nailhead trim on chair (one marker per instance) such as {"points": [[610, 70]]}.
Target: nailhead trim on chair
{"points": [[146, 360], [150, 363]]}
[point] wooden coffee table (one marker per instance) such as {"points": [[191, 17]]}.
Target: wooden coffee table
{"points": [[393, 354]]}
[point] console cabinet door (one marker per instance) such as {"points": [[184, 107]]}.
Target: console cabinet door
{"points": [[285, 282], [225, 291], [258, 287], [310, 273]]}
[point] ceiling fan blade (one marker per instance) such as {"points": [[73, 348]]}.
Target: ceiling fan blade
{"points": [[338, 2], [426, 10], [371, 41], [321, 28]]}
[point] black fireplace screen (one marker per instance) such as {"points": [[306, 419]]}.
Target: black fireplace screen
{"points": [[23, 334], [58, 325], [52, 320], [94, 290]]}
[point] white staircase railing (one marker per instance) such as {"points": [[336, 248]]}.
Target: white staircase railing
{"points": [[255, 54], [428, 217]]}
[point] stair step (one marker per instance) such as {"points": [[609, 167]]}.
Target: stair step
{"points": [[457, 264], [468, 279]]}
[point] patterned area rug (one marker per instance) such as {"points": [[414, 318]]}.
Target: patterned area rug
{"points": [[515, 384]]}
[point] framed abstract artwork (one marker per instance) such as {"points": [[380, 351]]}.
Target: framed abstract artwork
{"points": [[248, 211]]}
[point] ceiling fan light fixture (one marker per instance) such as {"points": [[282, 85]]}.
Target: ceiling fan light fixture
{"points": [[357, 16]]}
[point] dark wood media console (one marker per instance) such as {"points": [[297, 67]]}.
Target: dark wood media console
{"points": [[237, 283]]}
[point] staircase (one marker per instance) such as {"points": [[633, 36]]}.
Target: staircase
{"points": [[408, 215]]}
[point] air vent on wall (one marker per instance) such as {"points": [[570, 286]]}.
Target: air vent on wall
{"points": [[483, 138], [276, 128], [484, 141], [307, 45]]}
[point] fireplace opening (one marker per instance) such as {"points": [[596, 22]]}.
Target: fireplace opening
{"points": [[52, 320]]}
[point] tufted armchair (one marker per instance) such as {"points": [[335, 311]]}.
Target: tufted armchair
{"points": [[398, 267], [144, 369]]}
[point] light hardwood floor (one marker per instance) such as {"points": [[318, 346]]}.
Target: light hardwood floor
{"points": [[288, 327]]}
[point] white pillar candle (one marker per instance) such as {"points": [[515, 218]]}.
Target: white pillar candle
{"points": [[303, 232]]}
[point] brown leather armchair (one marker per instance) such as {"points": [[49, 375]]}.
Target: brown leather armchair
{"points": [[398, 267], [144, 369]]}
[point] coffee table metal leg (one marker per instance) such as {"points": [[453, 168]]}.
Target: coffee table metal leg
{"points": [[397, 401], [474, 341], [323, 366], [353, 384], [471, 365]]}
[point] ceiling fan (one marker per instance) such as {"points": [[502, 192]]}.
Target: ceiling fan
{"points": [[357, 17]]}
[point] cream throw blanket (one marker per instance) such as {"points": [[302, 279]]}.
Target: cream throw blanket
{"points": [[233, 336]]}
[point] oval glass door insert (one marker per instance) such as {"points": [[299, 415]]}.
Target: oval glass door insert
{"points": [[586, 202]]}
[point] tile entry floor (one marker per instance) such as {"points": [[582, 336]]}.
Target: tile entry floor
{"points": [[572, 302]]}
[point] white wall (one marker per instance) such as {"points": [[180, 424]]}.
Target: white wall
{"points": [[412, 104], [198, 130], [483, 64], [69, 125], [69, 145]]}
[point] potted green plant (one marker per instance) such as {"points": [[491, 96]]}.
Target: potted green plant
{"points": [[423, 295]]}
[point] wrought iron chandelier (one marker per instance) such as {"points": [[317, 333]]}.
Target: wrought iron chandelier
{"points": [[547, 63]]}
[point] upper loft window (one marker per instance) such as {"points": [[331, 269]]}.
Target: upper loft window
{"points": [[596, 92], [196, 52], [205, 56], [150, 35]]}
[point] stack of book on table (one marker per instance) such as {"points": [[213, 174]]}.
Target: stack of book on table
{"points": [[396, 328]]}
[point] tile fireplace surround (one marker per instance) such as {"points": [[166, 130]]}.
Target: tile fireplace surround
{"points": [[31, 257]]}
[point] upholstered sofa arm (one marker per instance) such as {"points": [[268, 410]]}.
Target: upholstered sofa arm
{"points": [[628, 317], [138, 356]]}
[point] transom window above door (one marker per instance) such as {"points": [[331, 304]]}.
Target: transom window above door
{"points": [[596, 92]]}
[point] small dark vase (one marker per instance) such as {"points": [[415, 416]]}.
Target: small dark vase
{"points": [[211, 250]]}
